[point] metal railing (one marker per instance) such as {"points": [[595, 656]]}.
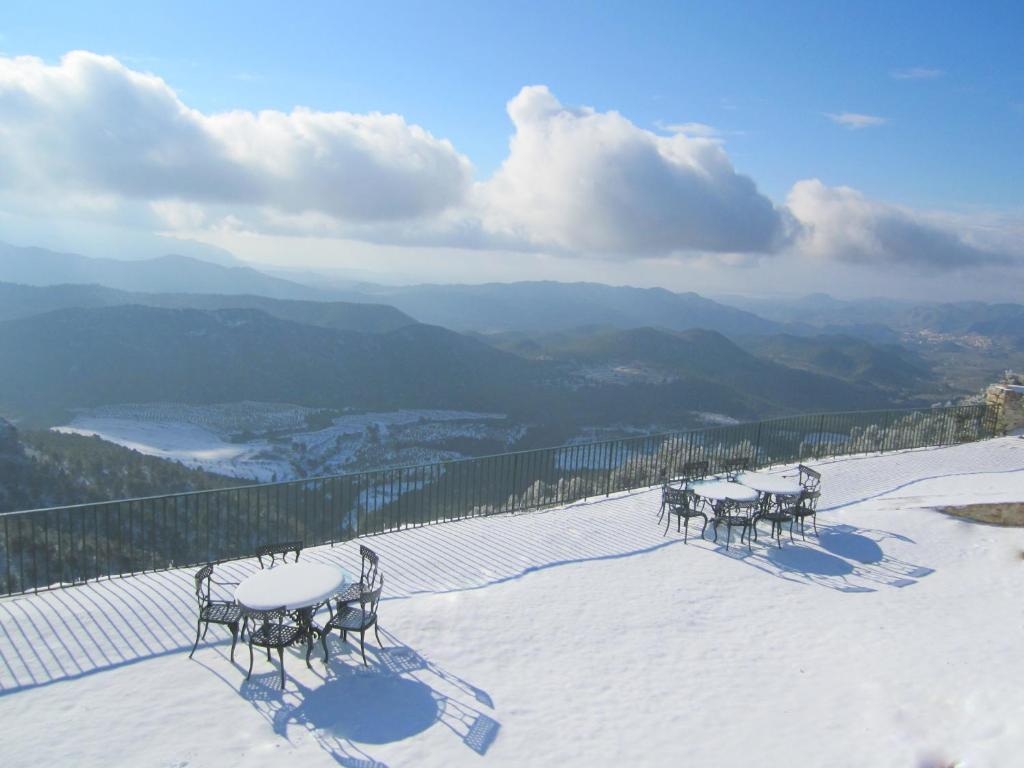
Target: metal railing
{"points": [[61, 546]]}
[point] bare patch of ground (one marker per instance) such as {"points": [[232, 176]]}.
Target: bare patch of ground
{"points": [[1008, 513]]}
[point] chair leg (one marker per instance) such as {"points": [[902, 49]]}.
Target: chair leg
{"points": [[309, 649], [686, 529], [704, 526], [362, 645], [234, 639], [195, 645], [268, 653], [250, 659], [668, 522], [206, 629], [375, 632], [814, 519], [280, 655]]}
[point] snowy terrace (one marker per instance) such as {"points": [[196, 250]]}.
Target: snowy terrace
{"points": [[578, 635]]}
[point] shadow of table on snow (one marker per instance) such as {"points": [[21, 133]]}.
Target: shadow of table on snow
{"points": [[393, 699], [841, 557]]}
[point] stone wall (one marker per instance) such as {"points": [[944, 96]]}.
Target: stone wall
{"points": [[1008, 396]]}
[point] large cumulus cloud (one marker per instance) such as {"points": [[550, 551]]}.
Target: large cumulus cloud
{"points": [[593, 182], [90, 137], [841, 224], [91, 125]]}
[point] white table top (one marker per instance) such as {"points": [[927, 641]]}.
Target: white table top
{"points": [[720, 490], [293, 585], [780, 486]]}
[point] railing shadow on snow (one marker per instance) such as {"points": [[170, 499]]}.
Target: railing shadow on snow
{"points": [[106, 624]]}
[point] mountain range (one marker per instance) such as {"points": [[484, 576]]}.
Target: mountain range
{"points": [[82, 332], [26, 300]]}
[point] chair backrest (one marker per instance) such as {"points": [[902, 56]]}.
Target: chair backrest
{"points": [[741, 508], [370, 596], [735, 465], [694, 470], [368, 568], [203, 576], [280, 549], [810, 479], [265, 617], [675, 498]]}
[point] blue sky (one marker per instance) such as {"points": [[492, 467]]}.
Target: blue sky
{"points": [[939, 87]]}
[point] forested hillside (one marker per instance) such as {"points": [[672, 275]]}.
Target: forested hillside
{"points": [[45, 469]]}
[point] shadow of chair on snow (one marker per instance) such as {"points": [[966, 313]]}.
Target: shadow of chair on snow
{"points": [[841, 557], [391, 700]]}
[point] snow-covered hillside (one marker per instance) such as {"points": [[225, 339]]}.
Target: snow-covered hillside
{"points": [[274, 441], [578, 636]]}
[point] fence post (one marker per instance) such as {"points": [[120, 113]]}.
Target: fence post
{"points": [[821, 432], [608, 472]]}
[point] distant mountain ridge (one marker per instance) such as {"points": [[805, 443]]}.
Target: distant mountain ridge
{"points": [[487, 307], [165, 274], [25, 300], [821, 310], [846, 357], [696, 354], [546, 306]]}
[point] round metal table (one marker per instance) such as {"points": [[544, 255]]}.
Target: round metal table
{"points": [[723, 490], [773, 484], [292, 585]]}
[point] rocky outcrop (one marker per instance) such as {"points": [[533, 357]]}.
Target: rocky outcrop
{"points": [[1008, 397]]}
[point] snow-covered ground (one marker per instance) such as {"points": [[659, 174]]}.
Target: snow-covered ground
{"points": [[272, 441], [579, 636]]}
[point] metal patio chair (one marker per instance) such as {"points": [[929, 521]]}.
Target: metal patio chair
{"points": [[682, 503], [368, 570], [224, 612], [348, 618], [807, 506], [776, 511], [275, 629], [736, 514], [280, 549]]}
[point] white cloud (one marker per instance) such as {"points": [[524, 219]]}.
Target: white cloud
{"points": [[90, 125], [697, 130], [855, 121], [840, 224], [916, 73], [591, 182], [91, 141]]}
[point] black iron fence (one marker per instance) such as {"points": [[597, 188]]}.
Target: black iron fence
{"points": [[45, 548]]}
